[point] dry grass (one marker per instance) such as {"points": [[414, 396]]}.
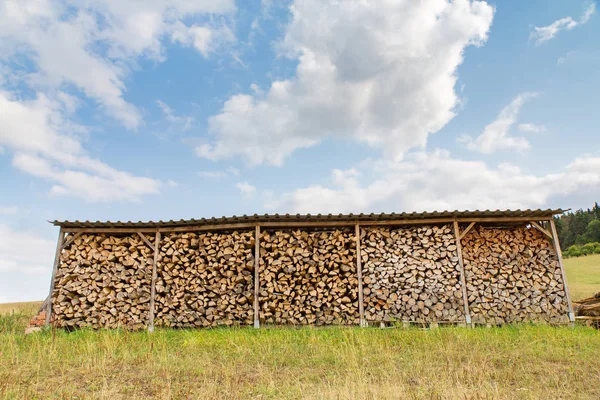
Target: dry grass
{"points": [[509, 362], [523, 362], [29, 307]]}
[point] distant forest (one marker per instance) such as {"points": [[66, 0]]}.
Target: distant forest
{"points": [[579, 232]]}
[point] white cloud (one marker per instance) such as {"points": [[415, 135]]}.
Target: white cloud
{"points": [[246, 189], [89, 48], [588, 13], [495, 135], [233, 171], [436, 181], [219, 174], [531, 128], [89, 179], [183, 123], [25, 252], [205, 39], [544, 33], [212, 174], [93, 45], [46, 145], [381, 74]]}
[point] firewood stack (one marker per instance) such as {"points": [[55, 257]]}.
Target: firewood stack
{"points": [[308, 277], [205, 279], [103, 282], [513, 275], [411, 274]]}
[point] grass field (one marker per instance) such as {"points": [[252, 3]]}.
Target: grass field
{"points": [[523, 361], [583, 275]]}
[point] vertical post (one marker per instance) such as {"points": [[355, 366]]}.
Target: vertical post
{"points": [[59, 244], [256, 276], [463, 283], [562, 270], [361, 307], [153, 284]]}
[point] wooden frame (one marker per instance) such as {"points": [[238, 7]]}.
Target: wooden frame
{"points": [[307, 224], [59, 248], [256, 277], [70, 240], [156, 247], [562, 270], [543, 224], [145, 239], [539, 227], [464, 233], [361, 306], [463, 283]]}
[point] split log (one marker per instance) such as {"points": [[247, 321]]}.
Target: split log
{"points": [[103, 282], [308, 277], [411, 274], [205, 280], [513, 275]]}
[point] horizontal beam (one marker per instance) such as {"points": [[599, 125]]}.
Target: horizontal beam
{"points": [[305, 224]]}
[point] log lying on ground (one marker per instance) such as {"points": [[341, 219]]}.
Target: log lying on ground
{"points": [[513, 275], [411, 274], [589, 307], [308, 278], [103, 282], [205, 280]]}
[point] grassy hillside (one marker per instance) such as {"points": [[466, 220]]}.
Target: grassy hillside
{"points": [[29, 307], [526, 361], [583, 275]]}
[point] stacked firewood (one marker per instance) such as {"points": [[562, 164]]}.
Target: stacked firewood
{"points": [[308, 277], [411, 274], [103, 282], [205, 279], [513, 275]]}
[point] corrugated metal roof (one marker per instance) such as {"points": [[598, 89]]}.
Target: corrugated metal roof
{"points": [[253, 219]]}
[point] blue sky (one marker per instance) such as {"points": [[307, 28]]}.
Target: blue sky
{"points": [[116, 110]]}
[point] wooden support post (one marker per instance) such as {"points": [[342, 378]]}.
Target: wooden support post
{"points": [[562, 270], [463, 283], [361, 307], [59, 247], [256, 276], [153, 284]]}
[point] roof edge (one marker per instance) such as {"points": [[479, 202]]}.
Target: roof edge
{"points": [[314, 218]]}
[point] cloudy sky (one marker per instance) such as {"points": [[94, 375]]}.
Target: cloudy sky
{"points": [[147, 110]]}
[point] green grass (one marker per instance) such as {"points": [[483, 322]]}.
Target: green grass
{"points": [[524, 362], [583, 275], [509, 362]]}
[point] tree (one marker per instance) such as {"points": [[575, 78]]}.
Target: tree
{"points": [[592, 232]]}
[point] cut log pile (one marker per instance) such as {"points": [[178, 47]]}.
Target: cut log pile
{"points": [[308, 277], [513, 275], [205, 279], [588, 310], [411, 274], [103, 282]]}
